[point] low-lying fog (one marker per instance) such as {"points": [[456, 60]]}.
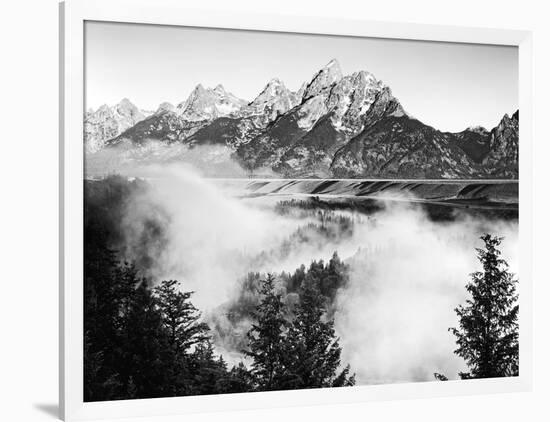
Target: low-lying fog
{"points": [[407, 273]]}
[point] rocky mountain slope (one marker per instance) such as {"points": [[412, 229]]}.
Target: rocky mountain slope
{"points": [[502, 158], [335, 125], [107, 122]]}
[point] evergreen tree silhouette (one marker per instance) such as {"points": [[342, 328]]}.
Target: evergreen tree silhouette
{"points": [[487, 335], [266, 339], [313, 352]]}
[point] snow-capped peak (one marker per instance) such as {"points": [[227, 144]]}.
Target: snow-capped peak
{"points": [[350, 98], [107, 122], [367, 79], [274, 88], [165, 106], [126, 108], [125, 102], [477, 129], [324, 79], [103, 108], [333, 63], [274, 85], [207, 104], [219, 89], [273, 100], [197, 91]]}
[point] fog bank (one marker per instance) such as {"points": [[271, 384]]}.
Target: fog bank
{"points": [[407, 272]]}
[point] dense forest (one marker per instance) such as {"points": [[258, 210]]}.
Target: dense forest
{"points": [[144, 338]]}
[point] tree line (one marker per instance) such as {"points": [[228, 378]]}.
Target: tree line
{"points": [[143, 341]]}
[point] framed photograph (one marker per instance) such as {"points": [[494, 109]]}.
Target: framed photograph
{"points": [[268, 210]]}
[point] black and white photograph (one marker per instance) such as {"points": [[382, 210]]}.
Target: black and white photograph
{"points": [[269, 211]]}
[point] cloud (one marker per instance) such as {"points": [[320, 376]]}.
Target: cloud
{"points": [[211, 236], [393, 318], [139, 160]]}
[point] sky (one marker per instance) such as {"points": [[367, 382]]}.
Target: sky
{"points": [[449, 86]]}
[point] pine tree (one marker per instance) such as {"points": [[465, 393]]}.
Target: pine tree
{"points": [[180, 316], [240, 380], [487, 336], [144, 365], [336, 276], [266, 339], [185, 332], [208, 372], [313, 351], [109, 289], [296, 279]]}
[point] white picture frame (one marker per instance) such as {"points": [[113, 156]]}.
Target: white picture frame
{"points": [[73, 15]]}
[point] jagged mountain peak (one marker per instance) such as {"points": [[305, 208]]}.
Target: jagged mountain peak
{"points": [[333, 63], [198, 88], [103, 108], [126, 108], [124, 105], [275, 81], [208, 104], [274, 87], [197, 92], [219, 89], [347, 98], [109, 121], [365, 76], [478, 129], [504, 147], [274, 84], [164, 107], [323, 79], [393, 106], [274, 100], [351, 98], [125, 102], [507, 119]]}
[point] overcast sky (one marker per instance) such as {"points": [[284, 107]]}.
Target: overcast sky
{"points": [[448, 86]]}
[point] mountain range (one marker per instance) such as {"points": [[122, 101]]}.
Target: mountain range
{"points": [[335, 125]]}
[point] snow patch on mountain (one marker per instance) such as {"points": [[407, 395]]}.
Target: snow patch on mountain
{"points": [[108, 122], [275, 99], [323, 80], [311, 111], [209, 104]]}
